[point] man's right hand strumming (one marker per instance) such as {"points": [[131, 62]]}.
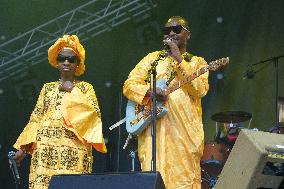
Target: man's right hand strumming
{"points": [[159, 92]]}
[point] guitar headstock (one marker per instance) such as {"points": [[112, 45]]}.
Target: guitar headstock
{"points": [[217, 64]]}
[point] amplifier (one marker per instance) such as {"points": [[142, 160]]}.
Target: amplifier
{"points": [[256, 161]]}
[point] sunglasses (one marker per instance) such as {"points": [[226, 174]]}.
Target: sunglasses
{"points": [[70, 59], [176, 29]]}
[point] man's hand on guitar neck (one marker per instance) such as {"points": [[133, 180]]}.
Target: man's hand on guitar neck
{"points": [[160, 94]]}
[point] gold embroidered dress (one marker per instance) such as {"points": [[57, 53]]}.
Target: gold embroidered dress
{"points": [[180, 136], [61, 132]]}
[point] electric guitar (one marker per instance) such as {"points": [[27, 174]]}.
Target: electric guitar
{"points": [[138, 117]]}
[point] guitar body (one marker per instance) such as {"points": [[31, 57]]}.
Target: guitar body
{"points": [[138, 121]]}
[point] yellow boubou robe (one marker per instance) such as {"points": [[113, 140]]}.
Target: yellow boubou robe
{"points": [[180, 136], [61, 132]]}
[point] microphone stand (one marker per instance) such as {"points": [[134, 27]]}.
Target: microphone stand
{"points": [[154, 116], [276, 64], [153, 110]]}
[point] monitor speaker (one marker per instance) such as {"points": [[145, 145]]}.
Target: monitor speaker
{"points": [[141, 180], [256, 161]]}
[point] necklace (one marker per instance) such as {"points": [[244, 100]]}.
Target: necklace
{"points": [[68, 85], [74, 81]]}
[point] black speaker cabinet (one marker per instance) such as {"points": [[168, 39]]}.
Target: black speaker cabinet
{"points": [[255, 162], [137, 180]]}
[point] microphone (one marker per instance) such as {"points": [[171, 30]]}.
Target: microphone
{"points": [[14, 168], [249, 74], [166, 46]]}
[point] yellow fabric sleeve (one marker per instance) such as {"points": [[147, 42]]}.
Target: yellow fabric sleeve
{"points": [[199, 86], [81, 115], [27, 139], [135, 86]]}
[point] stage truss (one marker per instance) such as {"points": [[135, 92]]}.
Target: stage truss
{"points": [[87, 21]]}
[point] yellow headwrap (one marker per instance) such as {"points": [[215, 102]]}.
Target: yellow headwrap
{"points": [[68, 41], [181, 20]]}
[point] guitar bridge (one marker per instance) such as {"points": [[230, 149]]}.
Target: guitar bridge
{"points": [[144, 115]]}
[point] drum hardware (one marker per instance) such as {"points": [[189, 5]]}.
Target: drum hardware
{"points": [[210, 180], [278, 130], [213, 159], [232, 121], [281, 129], [216, 153]]}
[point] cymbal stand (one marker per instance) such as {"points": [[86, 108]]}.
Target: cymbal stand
{"points": [[218, 132], [249, 123]]}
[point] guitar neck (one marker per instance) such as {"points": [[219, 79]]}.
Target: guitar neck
{"points": [[186, 80]]}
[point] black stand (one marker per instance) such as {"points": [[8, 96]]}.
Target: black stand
{"points": [[274, 60], [153, 116], [153, 110]]}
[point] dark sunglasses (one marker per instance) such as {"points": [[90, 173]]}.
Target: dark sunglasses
{"points": [[70, 59], [176, 29]]}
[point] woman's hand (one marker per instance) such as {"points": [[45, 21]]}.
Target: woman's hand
{"points": [[19, 156]]}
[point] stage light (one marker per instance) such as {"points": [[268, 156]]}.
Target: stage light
{"points": [[108, 84], [219, 19]]}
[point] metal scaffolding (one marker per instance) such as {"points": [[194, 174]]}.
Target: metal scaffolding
{"points": [[88, 20]]}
